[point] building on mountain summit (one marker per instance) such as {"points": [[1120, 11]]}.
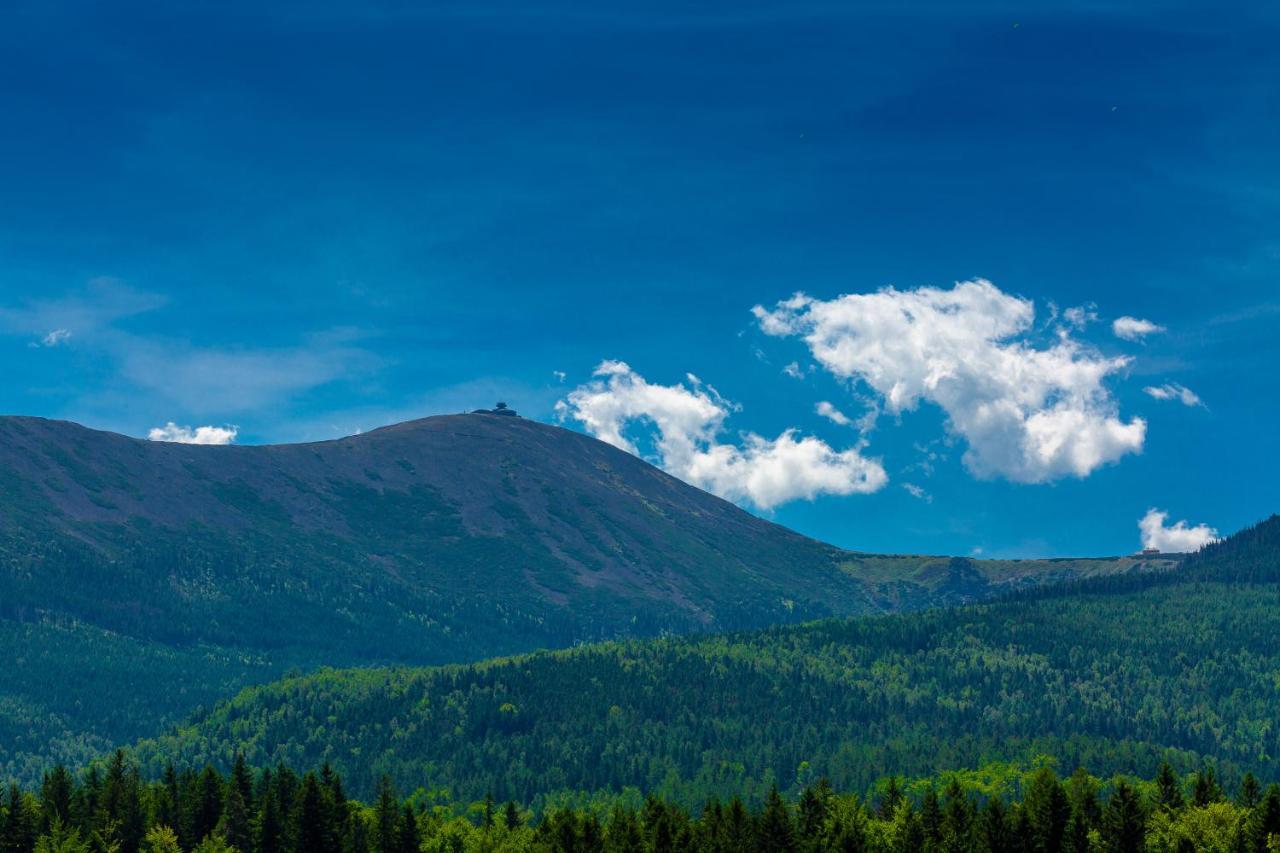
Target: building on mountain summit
{"points": [[500, 409]]}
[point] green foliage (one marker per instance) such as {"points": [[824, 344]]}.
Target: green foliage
{"points": [[1096, 679]]}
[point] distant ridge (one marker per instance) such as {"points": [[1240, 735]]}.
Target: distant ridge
{"points": [[1179, 666]]}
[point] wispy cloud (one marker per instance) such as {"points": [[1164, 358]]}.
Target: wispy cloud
{"points": [[1174, 391], [918, 492], [82, 312], [831, 413], [179, 374], [54, 338], [1133, 328]]}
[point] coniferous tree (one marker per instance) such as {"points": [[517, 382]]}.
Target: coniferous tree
{"points": [[776, 832], [269, 831], [591, 835], [814, 809], [994, 834], [235, 825], [890, 799], [1168, 789], [511, 815], [1123, 821], [161, 839], [957, 820], [55, 797], [408, 839], [1047, 809], [242, 781], [623, 833], [208, 805], [931, 819], [740, 831], [18, 828], [1206, 789], [386, 818], [61, 838], [1250, 793], [1264, 822], [847, 826], [1086, 812], [309, 828], [906, 830]]}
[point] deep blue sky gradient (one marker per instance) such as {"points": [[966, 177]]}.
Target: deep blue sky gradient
{"points": [[326, 217]]}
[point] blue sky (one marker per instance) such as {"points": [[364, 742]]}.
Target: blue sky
{"points": [[317, 220]]}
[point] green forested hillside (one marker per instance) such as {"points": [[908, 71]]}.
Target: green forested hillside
{"points": [[1114, 679], [162, 577]]}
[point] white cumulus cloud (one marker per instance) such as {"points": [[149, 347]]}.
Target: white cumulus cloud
{"points": [[1029, 414], [685, 424], [1133, 328], [1174, 391], [199, 435], [1177, 538]]}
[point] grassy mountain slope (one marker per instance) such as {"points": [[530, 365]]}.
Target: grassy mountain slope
{"points": [[1114, 677], [129, 566]]}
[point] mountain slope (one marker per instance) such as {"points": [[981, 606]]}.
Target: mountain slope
{"points": [[1112, 680], [448, 539]]}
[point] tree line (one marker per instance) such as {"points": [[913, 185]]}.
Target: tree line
{"points": [[111, 808]]}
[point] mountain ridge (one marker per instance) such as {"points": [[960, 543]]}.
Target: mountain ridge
{"points": [[441, 540]]}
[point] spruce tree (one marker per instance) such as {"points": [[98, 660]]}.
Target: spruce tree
{"points": [[931, 818], [739, 826], [269, 831], [1168, 789], [408, 838], [55, 797], [957, 820], [309, 828], [208, 805], [890, 799], [1206, 789], [235, 826], [623, 833], [814, 808], [776, 832], [242, 780], [1264, 822], [993, 834], [1047, 810], [1250, 793], [1123, 822], [386, 817], [18, 829]]}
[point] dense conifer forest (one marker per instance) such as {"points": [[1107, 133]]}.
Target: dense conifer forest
{"points": [[111, 809], [1118, 676]]}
